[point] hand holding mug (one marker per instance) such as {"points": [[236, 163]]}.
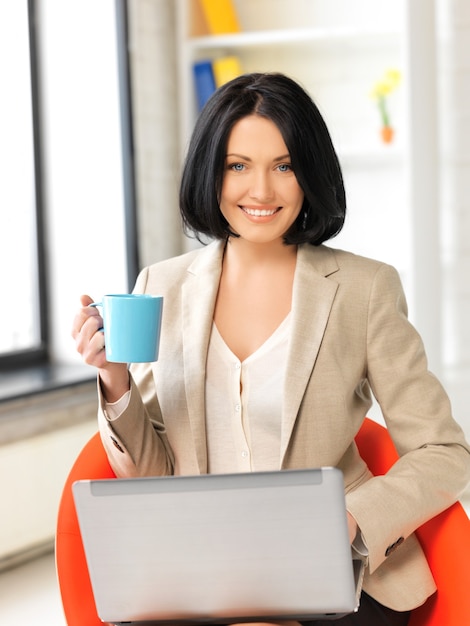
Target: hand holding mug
{"points": [[128, 332]]}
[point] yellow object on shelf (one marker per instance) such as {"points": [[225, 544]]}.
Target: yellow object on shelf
{"points": [[221, 16], [225, 69]]}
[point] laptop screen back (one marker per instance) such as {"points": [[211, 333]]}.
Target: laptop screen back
{"points": [[218, 548]]}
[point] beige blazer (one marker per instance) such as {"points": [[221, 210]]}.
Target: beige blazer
{"points": [[350, 336]]}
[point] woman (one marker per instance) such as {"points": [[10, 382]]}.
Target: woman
{"points": [[272, 343]]}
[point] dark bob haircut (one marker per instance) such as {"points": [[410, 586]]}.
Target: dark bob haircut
{"points": [[314, 161]]}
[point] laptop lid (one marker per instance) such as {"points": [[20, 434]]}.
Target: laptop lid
{"points": [[218, 548]]}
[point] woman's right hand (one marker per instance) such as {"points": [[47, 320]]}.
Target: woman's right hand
{"points": [[89, 341]]}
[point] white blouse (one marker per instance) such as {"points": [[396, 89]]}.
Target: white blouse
{"points": [[244, 404]]}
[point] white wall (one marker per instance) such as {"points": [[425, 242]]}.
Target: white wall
{"points": [[454, 117], [152, 53], [40, 466]]}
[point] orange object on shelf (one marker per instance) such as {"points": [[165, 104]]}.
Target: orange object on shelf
{"points": [[387, 133]]}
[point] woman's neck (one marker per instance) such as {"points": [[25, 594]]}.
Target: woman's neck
{"points": [[255, 293], [246, 254]]}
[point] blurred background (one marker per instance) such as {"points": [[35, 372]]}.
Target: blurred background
{"points": [[98, 101]]}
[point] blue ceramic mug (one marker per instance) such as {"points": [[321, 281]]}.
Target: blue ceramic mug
{"points": [[131, 324]]}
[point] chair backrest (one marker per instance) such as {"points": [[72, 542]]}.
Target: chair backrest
{"points": [[72, 571], [445, 540]]}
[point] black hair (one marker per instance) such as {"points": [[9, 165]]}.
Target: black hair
{"points": [[280, 99]]}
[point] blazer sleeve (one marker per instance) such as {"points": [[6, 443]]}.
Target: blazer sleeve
{"points": [[136, 442], [434, 465]]}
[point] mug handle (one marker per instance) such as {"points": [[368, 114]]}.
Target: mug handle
{"points": [[100, 330]]}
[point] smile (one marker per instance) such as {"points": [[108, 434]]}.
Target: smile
{"points": [[259, 212]]}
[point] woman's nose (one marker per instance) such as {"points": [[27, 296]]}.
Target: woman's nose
{"points": [[261, 187]]}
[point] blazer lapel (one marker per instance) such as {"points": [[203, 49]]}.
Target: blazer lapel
{"points": [[313, 296], [199, 293]]}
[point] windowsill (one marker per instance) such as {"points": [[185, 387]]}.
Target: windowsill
{"points": [[26, 382], [40, 400]]}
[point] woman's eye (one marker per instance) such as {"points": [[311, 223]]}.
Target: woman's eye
{"points": [[285, 167], [236, 167]]}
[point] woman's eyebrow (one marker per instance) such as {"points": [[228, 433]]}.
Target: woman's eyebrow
{"points": [[283, 157], [238, 156]]}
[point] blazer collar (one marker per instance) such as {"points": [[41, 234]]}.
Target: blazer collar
{"points": [[313, 296]]}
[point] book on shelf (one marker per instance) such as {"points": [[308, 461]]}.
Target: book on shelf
{"points": [[220, 16], [225, 69], [210, 74], [204, 81]]}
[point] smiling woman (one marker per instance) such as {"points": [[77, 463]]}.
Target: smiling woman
{"points": [[273, 344]]}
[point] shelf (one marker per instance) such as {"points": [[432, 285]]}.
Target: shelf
{"points": [[370, 156], [253, 39]]}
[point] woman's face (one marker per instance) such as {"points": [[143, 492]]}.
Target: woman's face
{"points": [[260, 196]]}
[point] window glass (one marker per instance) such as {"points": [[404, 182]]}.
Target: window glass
{"points": [[20, 328]]}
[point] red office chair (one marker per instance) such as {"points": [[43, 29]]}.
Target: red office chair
{"points": [[72, 572], [445, 540]]}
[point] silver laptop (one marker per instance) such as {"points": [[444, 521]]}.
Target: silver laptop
{"points": [[216, 549]]}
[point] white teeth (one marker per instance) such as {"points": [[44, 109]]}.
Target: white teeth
{"points": [[259, 212]]}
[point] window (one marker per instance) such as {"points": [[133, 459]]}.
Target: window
{"points": [[82, 145], [22, 331]]}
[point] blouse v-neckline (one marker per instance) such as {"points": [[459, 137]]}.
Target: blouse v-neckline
{"points": [[277, 335]]}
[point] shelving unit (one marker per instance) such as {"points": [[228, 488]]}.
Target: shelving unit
{"points": [[320, 55]]}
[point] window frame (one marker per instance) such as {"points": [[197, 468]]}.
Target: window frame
{"points": [[127, 142]]}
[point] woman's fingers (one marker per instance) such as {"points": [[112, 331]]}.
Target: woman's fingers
{"points": [[85, 300], [89, 339]]}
